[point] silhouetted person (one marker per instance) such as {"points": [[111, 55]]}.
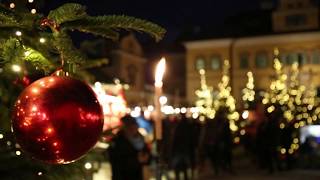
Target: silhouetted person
{"points": [[287, 139], [308, 152], [268, 141], [128, 152], [182, 148], [195, 143], [218, 142]]}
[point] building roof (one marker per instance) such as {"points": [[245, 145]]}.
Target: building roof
{"points": [[249, 24], [265, 39]]}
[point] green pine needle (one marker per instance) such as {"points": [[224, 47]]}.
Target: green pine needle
{"points": [[93, 63], [68, 12], [106, 33], [116, 22], [37, 59], [69, 53]]}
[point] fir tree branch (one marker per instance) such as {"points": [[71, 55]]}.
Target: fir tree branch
{"points": [[115, 22], [37, 59], [106, 33], [7, 12], [68, 12], [63, 43], [12, 50], [92, 63]]}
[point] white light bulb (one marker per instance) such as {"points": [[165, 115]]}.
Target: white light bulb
{"points": [[42, 40], [33, 11], [88, 165], [16, 68], [18, 153], [18, 33], [12, 5]]}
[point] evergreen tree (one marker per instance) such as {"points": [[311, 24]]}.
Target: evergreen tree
{"points": [[204, 103], [248, 93], [225, 100], [278, 92], [33, 45]]}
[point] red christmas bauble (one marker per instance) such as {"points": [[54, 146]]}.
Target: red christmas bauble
{"points": [[57, 119]]}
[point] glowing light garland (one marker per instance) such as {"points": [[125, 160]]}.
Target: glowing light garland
{"points": [[248, 91], [298, 104], [204, 102], [225, 99]]}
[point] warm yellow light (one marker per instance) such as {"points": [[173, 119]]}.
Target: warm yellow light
{"points": [[276, 51], [290, 151], [18, 153], [202, 71], [1, 136], [12, 5], [236, 140], [18, 33], [202, 118], [163, 100], [16, 68], [88, 165], [42, 40], [183, 110], [30, 1], [245, 114], [33, 11], [160, 69], [270, 109], [243, 132], [283, 150]]}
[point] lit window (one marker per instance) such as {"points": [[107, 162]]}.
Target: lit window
{"points": [[244, 61], [316, 57], [215, 63], [261, 60], [200, 63]]}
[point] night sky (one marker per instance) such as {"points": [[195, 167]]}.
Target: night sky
{"points": [[174, 15]]}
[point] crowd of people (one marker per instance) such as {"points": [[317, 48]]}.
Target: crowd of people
{"points": [[186, 144]]}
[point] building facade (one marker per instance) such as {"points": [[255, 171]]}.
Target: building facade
{"points": [[256, 53]]}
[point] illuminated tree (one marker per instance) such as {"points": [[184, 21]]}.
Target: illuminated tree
{"points": [[278, 88], [294, 106], [32, 43], [204, 103], [248, 92], [224, 99]]}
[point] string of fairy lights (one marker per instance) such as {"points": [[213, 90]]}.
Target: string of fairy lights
{"points": [[298, 103], [17, 68], [12, 5], [208, 104], [248, 92], [205, 98]]}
